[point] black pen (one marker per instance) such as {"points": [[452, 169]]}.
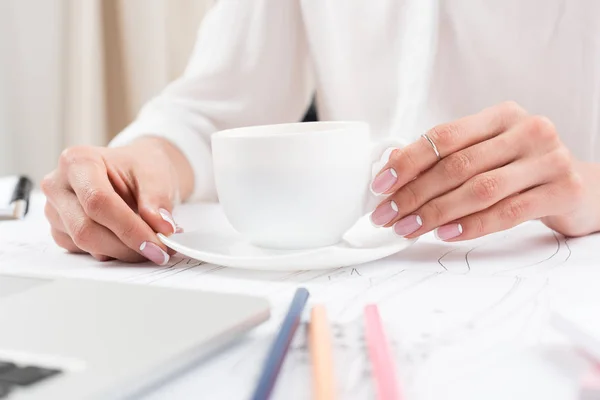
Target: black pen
{"points": [[19, 202]]}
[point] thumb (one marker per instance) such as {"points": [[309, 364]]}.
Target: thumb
{"points": [[155, 203]]}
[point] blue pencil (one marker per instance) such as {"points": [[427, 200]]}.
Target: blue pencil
{"points": [[280, 346]]}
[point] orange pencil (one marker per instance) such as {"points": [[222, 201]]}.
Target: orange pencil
{"points": [[321, 354]]}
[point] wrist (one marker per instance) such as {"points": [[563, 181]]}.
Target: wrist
{"points": [[174, 157]]}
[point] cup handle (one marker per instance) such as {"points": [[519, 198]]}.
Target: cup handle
{"points": [[380, 154]]}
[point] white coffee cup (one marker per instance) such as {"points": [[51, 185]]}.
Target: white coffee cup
{"points": [[298, 185]]}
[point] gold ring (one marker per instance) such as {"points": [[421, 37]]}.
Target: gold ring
{"points": [[437, 153]]}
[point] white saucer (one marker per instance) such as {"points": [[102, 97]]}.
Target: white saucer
{"points": [[217, 243]]}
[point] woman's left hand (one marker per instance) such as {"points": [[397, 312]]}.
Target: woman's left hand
{"points": [[496, 169]]}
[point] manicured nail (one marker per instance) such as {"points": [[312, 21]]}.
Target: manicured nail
{"points": [[154, 253], [449, 231], [408, 225], [384, 181], [179, 229], [166, 215], [384, 213]]}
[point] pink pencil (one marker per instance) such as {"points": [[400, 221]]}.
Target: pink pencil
{"points": [[384, 370], [590, 384]]}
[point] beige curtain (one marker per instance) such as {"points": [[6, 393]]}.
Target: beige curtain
{"points": [[31, 81], [77, 71], [121, 53]]}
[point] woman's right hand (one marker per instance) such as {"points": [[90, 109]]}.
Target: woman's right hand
{"points": [[111, 202]]}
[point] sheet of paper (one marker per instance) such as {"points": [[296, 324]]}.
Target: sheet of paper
{"points": [[7, 186], [464, 320]]}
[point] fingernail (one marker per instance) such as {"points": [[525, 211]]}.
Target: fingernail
{"points": [[408, 225], [384, 213], [166, 215], [179, 229], [154, 253], [384, 181], [449, 231]]}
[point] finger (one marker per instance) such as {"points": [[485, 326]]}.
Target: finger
{"points": [[447, 175], [532, 204], [101, 257], [410, 161], [104, 206], [58, 195], [63, 240], [487, 189], [89, 236], [155, 202], [536, 135], [53, 217], [52, 186]]}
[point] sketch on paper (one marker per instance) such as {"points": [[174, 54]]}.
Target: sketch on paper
{"points": [[443, 304]]}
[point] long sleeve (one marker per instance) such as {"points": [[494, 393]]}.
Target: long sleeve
{"points": [[250, 66]]}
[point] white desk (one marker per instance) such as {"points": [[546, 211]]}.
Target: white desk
{"points": [[466, 321]]}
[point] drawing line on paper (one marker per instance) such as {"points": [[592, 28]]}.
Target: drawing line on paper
{"points": [[463, 331], [513, 288], [337, 273], [161, 271], [534, 297], [158, 274], [209, 270], [467, 254], [439, 260], [322, 274], [411, 286], [176, 263], [178, 271], [534, 310], [296, 274], [568, 248], [291, 276], [329, 273], [361, 293], [162, 274], [153, 271], [550, 257], [191, 260], [141, 275]]}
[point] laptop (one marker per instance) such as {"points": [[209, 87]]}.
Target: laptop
{"points": [[78, 339]]}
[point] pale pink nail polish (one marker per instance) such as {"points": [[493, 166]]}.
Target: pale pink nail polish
{"points": [[449, 231], [384, 213], [408, 225], [384, 181], [154, 253], [166, 215]]}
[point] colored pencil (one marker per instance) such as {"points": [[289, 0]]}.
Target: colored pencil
{"points": [[280, 346], [321, 354], [384, 371]]}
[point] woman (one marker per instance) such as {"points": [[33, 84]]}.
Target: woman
{"points": [[508, 94]]}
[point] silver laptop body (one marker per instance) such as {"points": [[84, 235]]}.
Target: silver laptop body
{"points": [[78, 339]]}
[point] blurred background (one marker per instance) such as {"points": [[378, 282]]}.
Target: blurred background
{"points": [[77, 71]]}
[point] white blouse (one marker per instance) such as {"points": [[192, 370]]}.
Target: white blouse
{"points": [[401, 65]]}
